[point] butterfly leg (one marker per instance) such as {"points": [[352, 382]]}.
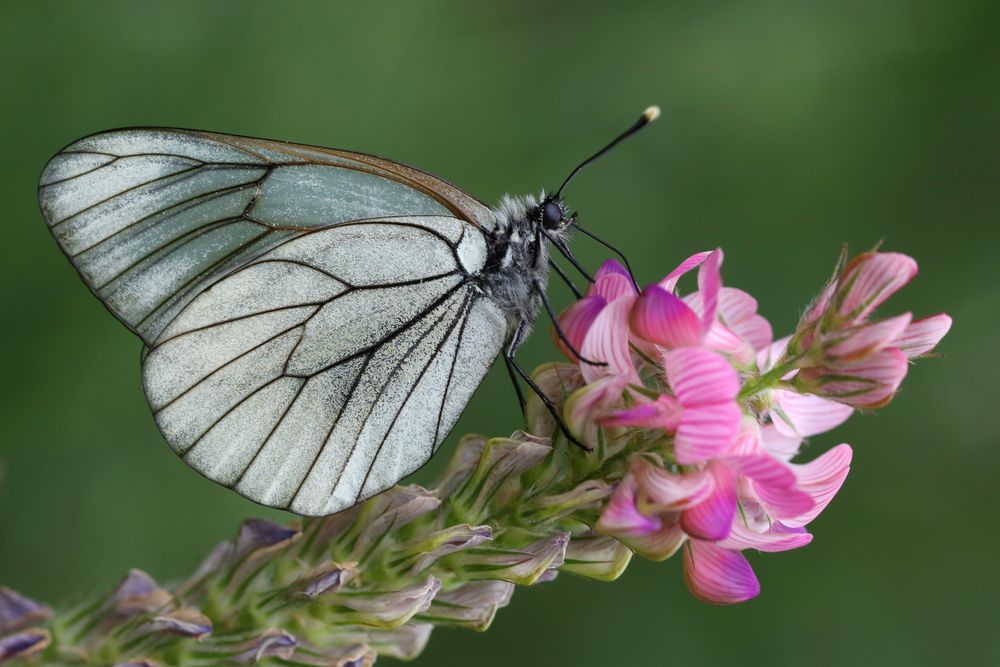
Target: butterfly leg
{"points": [[562, 274], [517, 385], [515, 343], [559, 330]]}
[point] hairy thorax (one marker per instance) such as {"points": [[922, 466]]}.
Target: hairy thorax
{"points": [[517, 266]]}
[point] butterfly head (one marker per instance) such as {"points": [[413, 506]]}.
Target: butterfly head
{"points": [[552, 214]]}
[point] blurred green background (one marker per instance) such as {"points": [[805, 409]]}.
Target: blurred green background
{"points": [[787, 129]]}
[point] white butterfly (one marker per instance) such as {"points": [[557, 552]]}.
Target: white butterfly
{"points": [[314, 320]]}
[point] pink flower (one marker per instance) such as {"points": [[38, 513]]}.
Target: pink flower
{"points": [[703, 414], [655, 510], [647, 534], [720, 318], [846, 357], [733, 406]]}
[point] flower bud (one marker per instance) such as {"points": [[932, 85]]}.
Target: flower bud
{"points": [[22, 645], [522, 566], [18, 612], [600, 558], [387, 609], [868, 383], [472, 605]]}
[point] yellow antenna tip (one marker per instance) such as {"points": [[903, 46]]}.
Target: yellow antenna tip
{"points": [[651, 114]]}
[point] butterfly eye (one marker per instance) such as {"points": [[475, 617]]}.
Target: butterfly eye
{"points": [[552, 215]]}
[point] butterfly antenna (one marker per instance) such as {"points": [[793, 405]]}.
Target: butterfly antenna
{"points": [[647, 117]]}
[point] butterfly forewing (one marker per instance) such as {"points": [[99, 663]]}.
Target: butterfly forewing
{"points": [[312, 325]]}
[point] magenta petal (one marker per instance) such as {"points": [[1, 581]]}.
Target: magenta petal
{"points": [[694, 261], [821, 479], [699, 376], [576, 322], [778, 538], [607, 341], [621, 517], [923, 335], [871, 278], [664, 412], [777, 493], [774, 483], [718, 576], [672, 492], [804, 415], [664, 319], [709, 284], [712, 519], [610, 267], [705, 431], [611, 281]]}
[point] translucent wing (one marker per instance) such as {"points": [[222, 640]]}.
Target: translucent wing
{"points": [[150, 217], [330, 367], [312, 324]]}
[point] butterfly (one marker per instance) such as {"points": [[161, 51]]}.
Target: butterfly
{"points": [[314, 321]]}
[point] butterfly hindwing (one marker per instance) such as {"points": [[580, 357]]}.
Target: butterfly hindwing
{"points": [[312, 322]]}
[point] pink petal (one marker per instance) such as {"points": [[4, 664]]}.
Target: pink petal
{"points": [[610, 267], [756, 331], [821, 479], [804, 415], [576, 322], [718, 576], [868, 383], [621, 517], [712, 518], [775, 485], [869, 279], [736, 306], [818, 307], [860, 341], [778, 538], [695, 260], [705, 431], [747, 441], [699, 376], [709, 284], [767, 358], [659, 545], [667, 491], [607, 340], [664, 319], [782, 447], [611, 281], [923, 335], [664, 412], [723, 339]]}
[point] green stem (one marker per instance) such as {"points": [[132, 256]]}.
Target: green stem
{"points": [[768, 380]]}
